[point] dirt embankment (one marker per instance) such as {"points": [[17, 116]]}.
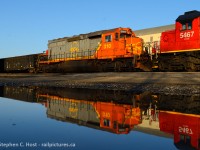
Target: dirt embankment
{"points": [[157, 82]]}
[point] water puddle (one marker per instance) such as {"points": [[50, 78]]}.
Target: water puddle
{"points": [[88, 118]]}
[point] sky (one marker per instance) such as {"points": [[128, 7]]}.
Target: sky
{"points": [[27, 25]]}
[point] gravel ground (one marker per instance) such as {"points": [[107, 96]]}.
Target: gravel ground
{"points": [[184, 83]]}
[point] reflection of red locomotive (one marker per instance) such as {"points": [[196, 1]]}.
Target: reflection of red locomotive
{"points": [[108, 116], [185, 127]]}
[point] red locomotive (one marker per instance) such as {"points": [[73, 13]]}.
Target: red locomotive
{"points": [[180, 48]]}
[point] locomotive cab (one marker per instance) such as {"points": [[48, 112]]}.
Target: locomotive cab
{"points": [[188, 31], [185, 37], [116, 118], [119, 43], [124, 50]]}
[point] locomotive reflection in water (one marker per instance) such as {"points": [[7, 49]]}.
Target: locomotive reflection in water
{"points": [[116, 118], [119, 112]]}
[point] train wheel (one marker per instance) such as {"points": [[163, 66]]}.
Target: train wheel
{"points": [[31, 70], [100, 67], [117, 66], [190, 67], [160, 66]]}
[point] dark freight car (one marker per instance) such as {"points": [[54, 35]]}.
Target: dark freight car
{"points": [[26, 63], [18, 93], [1, 65]]}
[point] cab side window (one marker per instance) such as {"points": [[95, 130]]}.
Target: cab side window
{"points": [[116, 36], [187, 26], [106, 122], [184, 26], [108, 38]]}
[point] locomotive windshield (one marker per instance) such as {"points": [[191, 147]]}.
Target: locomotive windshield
{"points": [[125, 35], [123, 127]]}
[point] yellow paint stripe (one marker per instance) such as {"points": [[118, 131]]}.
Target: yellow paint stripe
{"points": [[65, 59], [175, 51], [178, 113]]}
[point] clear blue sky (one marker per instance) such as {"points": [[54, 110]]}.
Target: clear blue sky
{"points": [[27, 25]]}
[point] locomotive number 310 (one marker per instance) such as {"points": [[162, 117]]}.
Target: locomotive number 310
{"points": [[186, 34], [106, 46]]}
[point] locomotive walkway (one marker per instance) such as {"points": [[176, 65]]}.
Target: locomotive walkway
{"points": [[167, 82]]}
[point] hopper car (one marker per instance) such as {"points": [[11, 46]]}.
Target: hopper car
{"points": [[117, 49], [27, 63]]}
